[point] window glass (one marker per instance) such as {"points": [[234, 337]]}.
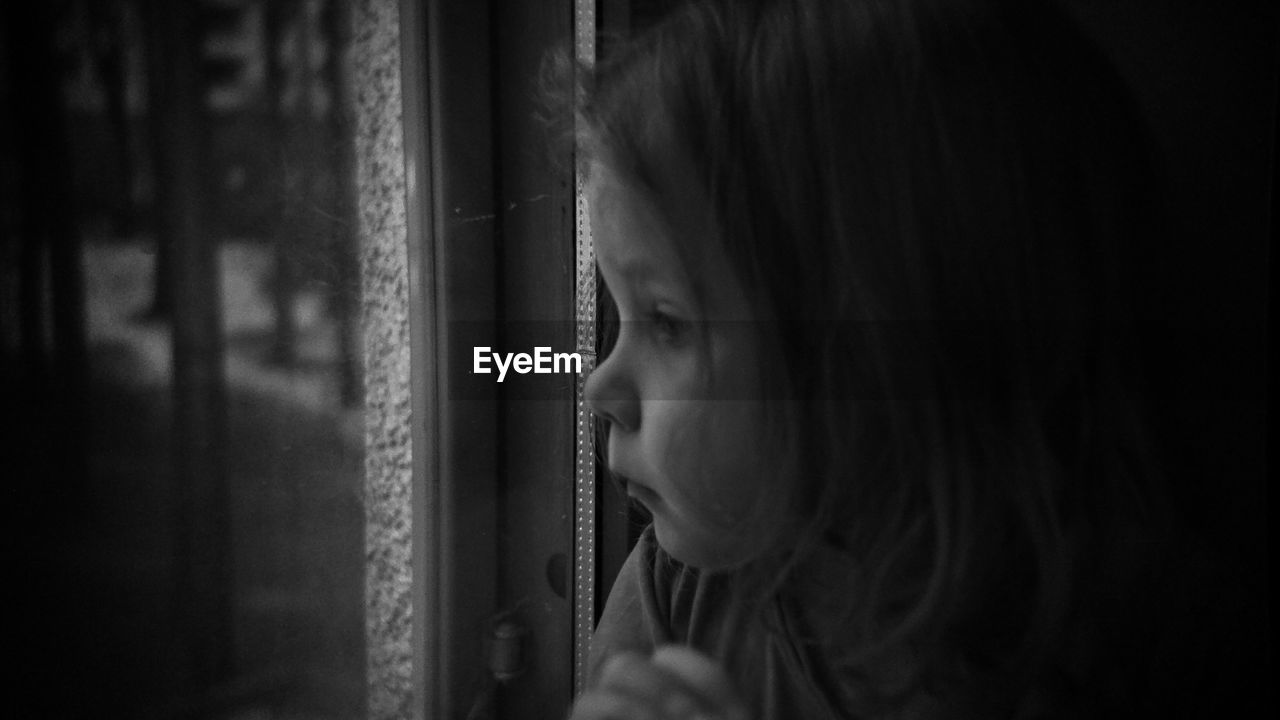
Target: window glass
{"points": [[220, 557]]}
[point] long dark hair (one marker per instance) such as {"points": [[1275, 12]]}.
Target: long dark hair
{"points": [[934, 204]]}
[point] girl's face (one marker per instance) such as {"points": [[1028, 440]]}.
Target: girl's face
{"points": [[681, 388]]}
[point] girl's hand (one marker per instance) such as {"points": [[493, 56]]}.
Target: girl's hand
{"points": [[676, 683]]}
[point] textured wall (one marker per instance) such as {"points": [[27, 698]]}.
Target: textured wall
{"points": [[385, 316]]}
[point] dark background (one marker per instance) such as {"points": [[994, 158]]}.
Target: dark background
{"points": [[153, 572], [183, 439]]}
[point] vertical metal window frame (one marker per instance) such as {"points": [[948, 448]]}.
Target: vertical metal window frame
{"points": [[492, 494], [451, 278], [585, 481]]}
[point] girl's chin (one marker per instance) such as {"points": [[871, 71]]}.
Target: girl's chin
{"points": [[685, 548], [644, 496]]}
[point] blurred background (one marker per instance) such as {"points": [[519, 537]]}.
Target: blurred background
{"points": [[183, 448], [178, 308]]}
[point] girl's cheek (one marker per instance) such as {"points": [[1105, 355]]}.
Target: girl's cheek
{"points": [[713, 460], [675, 436]]}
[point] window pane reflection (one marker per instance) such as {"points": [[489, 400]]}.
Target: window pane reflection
{"points": [[219, 555]]}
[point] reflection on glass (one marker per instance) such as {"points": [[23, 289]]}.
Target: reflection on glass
{"points": [[222, 546]]}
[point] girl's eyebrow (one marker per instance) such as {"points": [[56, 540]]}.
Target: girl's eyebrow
{"points": [[650, 277], [637, 268], [633, 266]]}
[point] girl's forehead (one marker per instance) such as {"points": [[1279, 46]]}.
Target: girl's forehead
{"points": [[628, 230], [669, 206], [665, 232]]}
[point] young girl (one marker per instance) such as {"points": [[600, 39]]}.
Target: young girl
{"points": [[873, 378]]}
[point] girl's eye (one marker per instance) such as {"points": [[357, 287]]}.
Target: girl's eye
{"points": [[668, 328]]}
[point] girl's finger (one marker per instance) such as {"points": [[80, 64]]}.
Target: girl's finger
{"points": [[659, 691], [705, 677], [635, 677], [611, 705]]}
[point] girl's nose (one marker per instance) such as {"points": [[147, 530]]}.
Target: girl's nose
{"points": [[611, 395]]}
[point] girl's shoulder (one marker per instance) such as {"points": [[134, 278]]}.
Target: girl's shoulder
{"points": [[1169, 629], [656, 600], [1159, 627]]}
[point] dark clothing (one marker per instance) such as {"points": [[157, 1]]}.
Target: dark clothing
{"points": [[656, 600], [1165, 646]]}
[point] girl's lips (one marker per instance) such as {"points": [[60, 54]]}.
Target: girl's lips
{"points": [[637, 491], [641, 493]]}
